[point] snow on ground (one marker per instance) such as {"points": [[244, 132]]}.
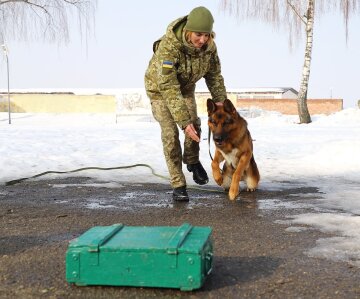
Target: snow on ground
{"points": [[323, 154]]}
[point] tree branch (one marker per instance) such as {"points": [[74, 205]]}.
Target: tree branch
{"points": [[26, 2], [47, 20], [296, 12]]}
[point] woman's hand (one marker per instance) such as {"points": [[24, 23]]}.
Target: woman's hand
{"points": [[191, 132]]}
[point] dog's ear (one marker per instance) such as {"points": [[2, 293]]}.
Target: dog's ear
{"points": [[211, 106], [229, 107]]}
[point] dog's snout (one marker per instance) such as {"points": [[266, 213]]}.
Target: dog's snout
{"points": [[218, 138]]}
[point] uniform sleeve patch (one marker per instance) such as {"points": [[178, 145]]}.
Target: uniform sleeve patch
{"points": [[167, 64]]}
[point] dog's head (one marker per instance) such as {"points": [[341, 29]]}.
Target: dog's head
{"points": [[221, 120]]}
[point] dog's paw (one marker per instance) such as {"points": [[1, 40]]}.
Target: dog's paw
{"points": [[219, 182], [250, 189], [233, 193], [218, 179], [232, 196]]}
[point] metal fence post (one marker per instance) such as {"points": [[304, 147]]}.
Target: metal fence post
{"points": [[8, 79]]}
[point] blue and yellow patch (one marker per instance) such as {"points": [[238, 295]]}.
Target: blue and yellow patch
{"points": [[167, 64]]}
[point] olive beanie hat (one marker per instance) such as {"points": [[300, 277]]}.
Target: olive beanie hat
{"points": [[200, 19]]}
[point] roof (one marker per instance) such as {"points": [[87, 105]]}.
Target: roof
{"points": [[257, 90]]}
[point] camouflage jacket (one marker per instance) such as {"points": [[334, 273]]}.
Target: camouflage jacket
{"points": [[176, 66]]}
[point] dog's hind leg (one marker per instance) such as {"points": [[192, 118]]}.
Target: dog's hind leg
{"points": [[227, 173], [252, 176]]}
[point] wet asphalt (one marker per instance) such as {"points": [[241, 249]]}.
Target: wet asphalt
{"points": [[254, 255]]}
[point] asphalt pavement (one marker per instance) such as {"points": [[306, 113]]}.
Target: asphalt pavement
{"points": [[254, 255]]}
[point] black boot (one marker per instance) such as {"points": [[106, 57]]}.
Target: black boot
{"points": [[199, 174], [180, 194]]}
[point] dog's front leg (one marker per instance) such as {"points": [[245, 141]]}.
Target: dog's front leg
{"points": [[215, 166], [235, 181]]}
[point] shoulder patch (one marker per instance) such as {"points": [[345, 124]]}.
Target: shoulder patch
{"points": [[167, 64]]}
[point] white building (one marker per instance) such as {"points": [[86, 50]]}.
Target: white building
{"points": [[266, 93], [257, 93]]}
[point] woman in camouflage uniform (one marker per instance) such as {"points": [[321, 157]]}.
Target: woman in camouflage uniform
{"points": [[184, 55]]}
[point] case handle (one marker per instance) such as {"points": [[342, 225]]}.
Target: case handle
{"points": [[178, 238], [103, 236]]}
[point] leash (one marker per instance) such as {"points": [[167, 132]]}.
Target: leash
{"points": [[209, 136], [17, 181], [13, 182]]}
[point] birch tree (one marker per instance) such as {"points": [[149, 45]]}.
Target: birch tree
{"points": [[47, 20], [299, 18]]}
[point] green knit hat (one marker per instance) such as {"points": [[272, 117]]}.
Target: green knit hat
{"points": [[200, 19]]}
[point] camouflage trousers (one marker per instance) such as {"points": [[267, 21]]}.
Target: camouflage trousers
{"points": [[171, 142]]}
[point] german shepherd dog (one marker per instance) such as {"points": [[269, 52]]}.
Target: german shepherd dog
{"points": [[233, 144]]}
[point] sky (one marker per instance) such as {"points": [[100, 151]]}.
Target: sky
{"points": [[252, 53], [321, 155]]}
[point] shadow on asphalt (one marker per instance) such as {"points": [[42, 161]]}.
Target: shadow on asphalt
{"points": [[230, 271], [17, 244]]}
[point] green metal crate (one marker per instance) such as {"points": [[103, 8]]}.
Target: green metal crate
{"points": [[143, 256]]}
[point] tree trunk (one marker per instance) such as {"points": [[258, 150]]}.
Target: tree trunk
{"points": [[302, 96]]}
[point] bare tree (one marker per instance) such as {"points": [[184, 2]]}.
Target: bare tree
{"points": [[298, 16], [308, 20], [47, 20]]}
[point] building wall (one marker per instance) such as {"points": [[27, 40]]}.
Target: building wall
{"points": [[202, 99], [71, 103], [58, 103], [289, 106], [289, 95]]}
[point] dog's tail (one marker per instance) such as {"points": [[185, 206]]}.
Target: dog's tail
{"points": [[254, 167]]}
